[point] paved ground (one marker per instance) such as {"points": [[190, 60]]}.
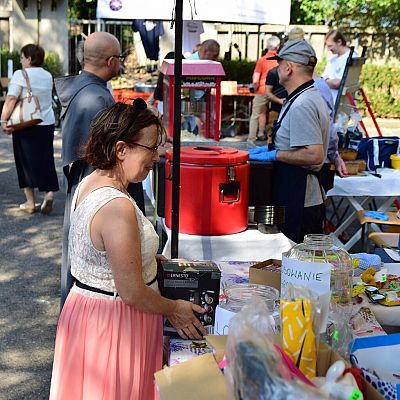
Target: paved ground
{"points": [[30, 254]]}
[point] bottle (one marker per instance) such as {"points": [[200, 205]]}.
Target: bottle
{"points": [[317, 249]]}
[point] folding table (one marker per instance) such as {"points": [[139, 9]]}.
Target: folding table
{"points": [[358, 191]]}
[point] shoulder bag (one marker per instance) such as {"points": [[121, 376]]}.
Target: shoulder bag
{"points": [[26, 112]]}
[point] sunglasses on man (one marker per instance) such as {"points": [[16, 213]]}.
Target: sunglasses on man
{"points": [[120, 57]]}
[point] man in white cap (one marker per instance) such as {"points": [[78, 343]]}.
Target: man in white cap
{"points": [[300, 142]]}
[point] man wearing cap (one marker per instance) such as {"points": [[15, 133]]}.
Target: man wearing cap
{"points": [[300, 142]]}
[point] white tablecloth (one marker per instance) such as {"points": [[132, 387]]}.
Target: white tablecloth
{"points": [[250, 245], [369, 185]]}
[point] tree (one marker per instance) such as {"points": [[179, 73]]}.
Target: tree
{"points": [[82, 9], [380, 14]]}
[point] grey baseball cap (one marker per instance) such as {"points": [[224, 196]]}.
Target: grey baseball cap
{"points": [[298, 51]]}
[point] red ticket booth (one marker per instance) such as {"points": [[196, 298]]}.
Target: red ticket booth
{"points": [[201, 97]]}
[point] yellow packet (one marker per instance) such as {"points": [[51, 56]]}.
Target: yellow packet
{"points": [[298, 338]]}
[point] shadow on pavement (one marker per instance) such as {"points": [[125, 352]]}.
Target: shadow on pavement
{"points": [[30, 248]]}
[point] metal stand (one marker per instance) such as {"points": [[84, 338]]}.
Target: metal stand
{"points": [[347, 92]]}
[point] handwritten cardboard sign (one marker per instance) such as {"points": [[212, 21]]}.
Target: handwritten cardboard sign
{"points": [[315, 276]]}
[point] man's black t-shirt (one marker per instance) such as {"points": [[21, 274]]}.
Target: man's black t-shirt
{"points": [[277, 89]]}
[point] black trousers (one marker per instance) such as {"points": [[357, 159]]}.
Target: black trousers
{"points": [[312, 220]]}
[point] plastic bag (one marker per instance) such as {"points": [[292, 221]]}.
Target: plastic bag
{"points": [[301, 292], [299, 322], [338, 333], [254, 369]]}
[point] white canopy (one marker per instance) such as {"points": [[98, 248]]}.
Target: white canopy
{"points": [[230, 11]]}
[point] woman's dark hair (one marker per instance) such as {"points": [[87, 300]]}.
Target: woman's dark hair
{"points": [[35, 52], [119, 122], [337, 35]]}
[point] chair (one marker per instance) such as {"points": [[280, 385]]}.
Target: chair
{"points": [[365, 222], [384, 239]]}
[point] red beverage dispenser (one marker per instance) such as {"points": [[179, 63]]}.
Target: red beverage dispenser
{"points": [[214, 190]]}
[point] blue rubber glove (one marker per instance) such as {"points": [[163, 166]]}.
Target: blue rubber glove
{"points": [[258, 150], [377, 215], [264, 156]]}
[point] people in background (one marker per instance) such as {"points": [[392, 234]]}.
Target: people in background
{"points": [[296, 33], [82, 97], [109, 336], [33, 146], [260, 102], [158, 94], [276, 95], [333, 156], [300, 140], [209, 50], [336, 42]]}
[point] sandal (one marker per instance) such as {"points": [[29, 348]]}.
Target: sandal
{"points": [[29, 210], [47, 206]]}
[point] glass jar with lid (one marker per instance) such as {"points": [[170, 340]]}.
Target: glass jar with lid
{"points": [[306, 263]]}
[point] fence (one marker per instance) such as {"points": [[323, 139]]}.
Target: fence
{"points": [[250, 39], [80, 29]]}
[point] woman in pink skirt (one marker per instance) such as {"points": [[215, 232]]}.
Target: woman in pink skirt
{"points": [[109, 336]]}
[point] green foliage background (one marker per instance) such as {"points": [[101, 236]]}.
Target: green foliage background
{"points": [[380, 14], [52, 62], [381, 84]]}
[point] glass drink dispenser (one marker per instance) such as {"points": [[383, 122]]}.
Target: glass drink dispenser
{"points": [[200, 96]]}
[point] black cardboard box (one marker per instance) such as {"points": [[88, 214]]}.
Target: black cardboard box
{"points": [[195, 281]]}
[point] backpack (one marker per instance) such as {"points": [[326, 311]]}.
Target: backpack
{"points": [[377, 151]]}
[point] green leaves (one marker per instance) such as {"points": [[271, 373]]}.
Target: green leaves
{"points": [[382, 86], [380, 14]]}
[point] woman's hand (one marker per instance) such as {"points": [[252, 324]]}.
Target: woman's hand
{"points": [[184, 320], [6, 129]]}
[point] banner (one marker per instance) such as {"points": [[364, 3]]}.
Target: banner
{"points": [[228, 11]]}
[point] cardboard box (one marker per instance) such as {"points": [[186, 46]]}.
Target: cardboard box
{"points": [[265, 277], [195, 281], [201, 378]]}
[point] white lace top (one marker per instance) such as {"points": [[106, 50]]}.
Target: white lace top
{"points": [[91, 266]]}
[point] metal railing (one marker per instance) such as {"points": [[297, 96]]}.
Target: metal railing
{"points": [[80, 29]]}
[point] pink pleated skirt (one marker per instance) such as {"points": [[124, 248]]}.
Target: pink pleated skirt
{"points": [[105, 350]]}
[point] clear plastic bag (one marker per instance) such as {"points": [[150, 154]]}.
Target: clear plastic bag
{"points": [[254, 368], [338, 332], [300, 292]]}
